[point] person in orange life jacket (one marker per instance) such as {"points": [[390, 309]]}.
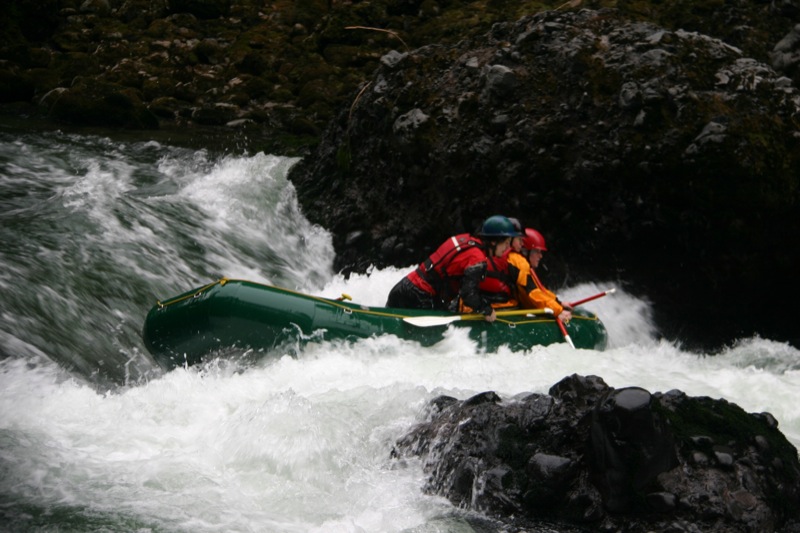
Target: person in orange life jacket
{"points": [[454, 271], [523, 258]]}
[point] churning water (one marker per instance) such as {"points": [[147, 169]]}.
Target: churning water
{"points": [[94, 437]]}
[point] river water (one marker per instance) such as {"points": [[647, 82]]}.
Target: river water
{"points": [[95, 437]]}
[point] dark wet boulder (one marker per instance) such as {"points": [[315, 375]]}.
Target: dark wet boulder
{"points": [[632, 444], [93, 103], [588, 455]]}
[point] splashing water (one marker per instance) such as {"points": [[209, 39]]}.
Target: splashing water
{"points": [[93, 435]]}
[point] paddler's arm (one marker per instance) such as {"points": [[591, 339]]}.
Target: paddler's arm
{"points": [[470, 293], [541, 298]]}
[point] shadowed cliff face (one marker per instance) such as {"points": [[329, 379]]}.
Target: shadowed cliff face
{"points": [[664, 159]]}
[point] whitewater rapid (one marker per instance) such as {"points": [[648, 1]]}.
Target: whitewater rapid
{"points": [[93, 435]]}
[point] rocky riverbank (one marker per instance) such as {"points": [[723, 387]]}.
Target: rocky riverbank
{"points": [[276, 73], [271, 74]]}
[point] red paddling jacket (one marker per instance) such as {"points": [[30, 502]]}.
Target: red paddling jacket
{"points": [[454, 272]]}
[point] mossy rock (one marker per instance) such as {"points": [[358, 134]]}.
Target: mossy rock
{"points": [[160, 29], [101, 8], [282, 94], [35, 20], [166, 107], [155, 88], [307, 12], [350, 56], [27, 57], [139, 13], [318, 91], [202, 9], [73, 64], [128, 76], [254, 62], [15, 87], [237, 98], [215, 115], [209, 51], [44, 80], [255, 87], [314, 69], [93, 103]]}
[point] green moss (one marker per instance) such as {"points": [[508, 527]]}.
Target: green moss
{"points": [[344, 156], [289, 144], [727, 424]]}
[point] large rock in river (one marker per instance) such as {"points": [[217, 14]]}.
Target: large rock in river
{"points": [[665, 159], [590, 456]]}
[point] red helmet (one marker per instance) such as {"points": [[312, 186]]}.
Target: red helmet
{"points": [[533, 240]]}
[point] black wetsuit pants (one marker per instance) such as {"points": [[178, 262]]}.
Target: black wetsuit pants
{"points": [[408, 296]]}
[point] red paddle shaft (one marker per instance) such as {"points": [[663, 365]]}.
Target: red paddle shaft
{"points": [[564, 332], [560, 322], [590, 298]]}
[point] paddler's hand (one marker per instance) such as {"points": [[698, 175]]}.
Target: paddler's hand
{"points": [[565, 316], [491, 317]]}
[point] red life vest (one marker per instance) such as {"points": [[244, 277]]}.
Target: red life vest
{"points": [[497, 286], [441, 272]]}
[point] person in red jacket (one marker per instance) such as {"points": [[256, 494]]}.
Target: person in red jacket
{"points": [[499, 285], [453, 273]]}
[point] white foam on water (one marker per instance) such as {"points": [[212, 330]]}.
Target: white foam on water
{"points": [[298, 443]]}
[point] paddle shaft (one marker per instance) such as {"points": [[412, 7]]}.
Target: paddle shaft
{"points": [[563, 329], [518, 312], [428, 321], [590, 298], [511, 312]]}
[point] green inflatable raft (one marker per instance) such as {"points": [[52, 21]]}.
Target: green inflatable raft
{"points": [[236, 315]]}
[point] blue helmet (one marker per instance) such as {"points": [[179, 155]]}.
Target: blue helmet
{"points": [[498, 226]]}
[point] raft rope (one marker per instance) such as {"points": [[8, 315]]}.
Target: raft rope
{"points": [[195, 294], [334, 303]]}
